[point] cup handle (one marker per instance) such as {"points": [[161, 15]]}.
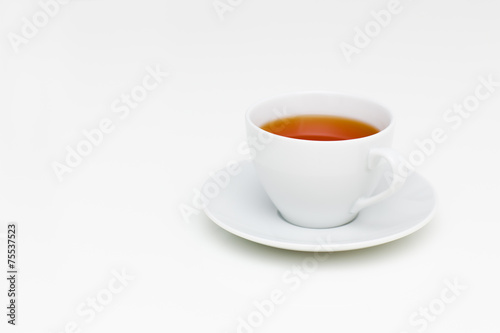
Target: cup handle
{"points": [[394, 159]]}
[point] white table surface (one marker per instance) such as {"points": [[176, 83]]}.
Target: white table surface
{"points": [[119, 209]]}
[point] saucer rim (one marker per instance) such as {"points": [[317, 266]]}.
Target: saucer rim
{"points": [[330, 247]]}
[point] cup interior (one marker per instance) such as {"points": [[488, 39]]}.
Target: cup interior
{"points": [[320, 103]]}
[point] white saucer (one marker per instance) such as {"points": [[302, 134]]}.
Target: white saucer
{"points": [[244, 209]]}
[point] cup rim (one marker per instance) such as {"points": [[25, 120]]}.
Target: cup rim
{"points": [[321, 92]]}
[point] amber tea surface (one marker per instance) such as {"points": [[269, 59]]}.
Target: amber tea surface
{"points": [[320, 128]]}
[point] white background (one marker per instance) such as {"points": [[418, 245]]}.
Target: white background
{"points": [[119, 209]]}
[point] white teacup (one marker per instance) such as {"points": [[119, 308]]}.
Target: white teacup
{"points": [[322, 184]]}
